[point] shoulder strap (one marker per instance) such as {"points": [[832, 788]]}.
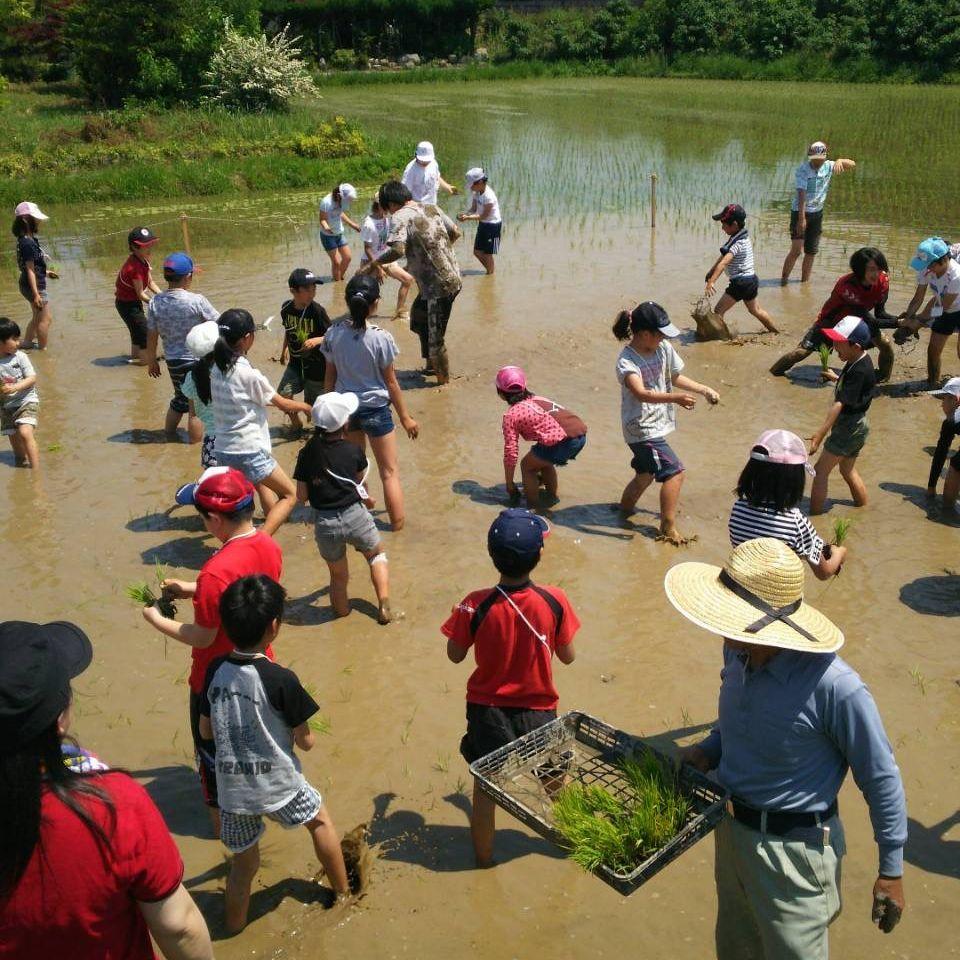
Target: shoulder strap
{"points": [[483, 608], [552, 602]]}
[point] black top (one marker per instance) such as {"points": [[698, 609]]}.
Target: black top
{"points": [[300, 325], [855, 386], [948, 430], [318, 458], [28, 248]]}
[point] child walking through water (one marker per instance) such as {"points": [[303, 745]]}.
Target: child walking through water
{"points": [[649, 369], [559, 435]]}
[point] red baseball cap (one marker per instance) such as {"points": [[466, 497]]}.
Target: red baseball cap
{"points": [[219, 490]]}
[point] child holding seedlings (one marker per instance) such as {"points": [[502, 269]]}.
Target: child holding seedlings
{"points": [[32, 263], [171, 315], [736, 257], [515, 629], [558, 435], [224, 499], [373, 233], [769, 492], [19, 400], [130, 293], [201, 341], [333, 215], [485, 209], [649, 369], [241, 396], [949, 397], [846, 421], [330, 474], [255, 712], [304, 324]]}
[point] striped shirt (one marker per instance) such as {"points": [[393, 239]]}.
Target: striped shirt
{"points": [[748, 522], [741, 247]]}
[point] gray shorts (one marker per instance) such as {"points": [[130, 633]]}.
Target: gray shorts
{"points": [[334, 529], [239, 831]]}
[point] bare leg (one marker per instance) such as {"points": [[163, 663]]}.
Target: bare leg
{"points": [[633, 491], [669, 499], [885, 357], [807, 268], [30, 334], [334, 256], [286, 498], [723, 305], [951, 487], [818, 491], [339, 576], [858, 489], [757, 311], [380, 578], [788, 360], [40, 325], [482, 825], [796, 248], [243, 868], [345, 258], [194, 428], [28, 445], [172, 422], [406, 282], [19, 452], [385, 453], [486, 261], [326, 845], [934, 350], [530, 469]]}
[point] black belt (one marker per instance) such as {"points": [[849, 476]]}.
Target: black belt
{"points": [[780, 823]]}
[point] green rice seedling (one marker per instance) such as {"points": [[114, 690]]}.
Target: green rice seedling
{"points": [[824, 352], [841, 529], [318, 723]]}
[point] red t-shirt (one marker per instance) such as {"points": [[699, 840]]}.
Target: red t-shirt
{"points": [[240, 557], [133, 269], [514, 667], [78, 900], [850, 298]]}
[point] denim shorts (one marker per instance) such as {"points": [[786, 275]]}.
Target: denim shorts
{"points": [[240, 831], [255, 465], [655, 457], [561, 452], [330, 243], [334, 529], [24, 286], [373, 421]]}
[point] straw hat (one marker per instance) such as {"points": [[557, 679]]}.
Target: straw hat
{"points": [[756, 597]]}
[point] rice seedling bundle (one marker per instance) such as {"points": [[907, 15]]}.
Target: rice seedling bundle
{"points": [[824, 352], [841, 529]]}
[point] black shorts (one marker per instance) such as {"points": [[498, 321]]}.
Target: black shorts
{"points": [[487, 239], [946, 323], [811, 236], [178, 370], [489, 728], [204, 752], [131, 313], [743, 288]]}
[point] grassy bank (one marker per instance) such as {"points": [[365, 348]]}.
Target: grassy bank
{"points": [[52, 148]]}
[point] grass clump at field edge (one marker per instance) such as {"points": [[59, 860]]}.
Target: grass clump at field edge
{"points": [[621, 832]]}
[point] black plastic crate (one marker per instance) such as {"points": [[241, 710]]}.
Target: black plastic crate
{"points": [[581, 748]]}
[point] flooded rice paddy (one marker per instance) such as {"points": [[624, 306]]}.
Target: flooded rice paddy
{"points": [[570, 161]]}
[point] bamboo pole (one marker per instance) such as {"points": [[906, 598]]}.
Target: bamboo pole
{"points": [[653, 201], [186, 233]]}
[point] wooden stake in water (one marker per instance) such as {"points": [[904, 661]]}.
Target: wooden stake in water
{"points": [[186, 233], [653, 200]]}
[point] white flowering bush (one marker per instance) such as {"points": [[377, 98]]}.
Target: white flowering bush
{"points": [[257, 73]]}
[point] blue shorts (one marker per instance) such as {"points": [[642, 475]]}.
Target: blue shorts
{"points": [[330, 243], [561, 452], [373, 421], [655, 457], [256, 466], [487, 239]]}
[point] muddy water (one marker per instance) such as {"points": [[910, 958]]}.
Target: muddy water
{"points": [[97, 517]]}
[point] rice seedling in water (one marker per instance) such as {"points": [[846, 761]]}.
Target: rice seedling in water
{"points": [[621, 832], [841, 529]]}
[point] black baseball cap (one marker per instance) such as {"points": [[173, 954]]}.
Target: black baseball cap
{"points": [[37, 663], [141, 237], [651, 316], [302, 277], [731, 213]]}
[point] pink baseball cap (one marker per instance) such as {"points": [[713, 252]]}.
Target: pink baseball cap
{"points": [[782, 446], [511, 379]]}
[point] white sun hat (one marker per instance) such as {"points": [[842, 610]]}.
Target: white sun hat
{"points": [[425, 151], [29, 209]]}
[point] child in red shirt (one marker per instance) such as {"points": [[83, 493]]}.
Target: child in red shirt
{"points": [[133, 281], [515, 628]]}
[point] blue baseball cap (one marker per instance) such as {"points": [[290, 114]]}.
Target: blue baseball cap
{"points": [[933, 248], [519, 530], [179, 264]]}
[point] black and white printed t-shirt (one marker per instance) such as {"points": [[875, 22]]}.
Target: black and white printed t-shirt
{"points": [[254, 705], [748, 522], [741, 247]]}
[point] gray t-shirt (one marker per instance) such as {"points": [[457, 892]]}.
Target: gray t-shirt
{"points": [[648, 421], [173, 314], [360, 357], [254, 705], [14, 368]]}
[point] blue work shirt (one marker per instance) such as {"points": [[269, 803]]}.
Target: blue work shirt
{"points": [[815, 183], [789, 731]]}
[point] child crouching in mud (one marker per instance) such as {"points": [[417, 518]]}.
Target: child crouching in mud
{"points": [[559, 434], [649, 369]]}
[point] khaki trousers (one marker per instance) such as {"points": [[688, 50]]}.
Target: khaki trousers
{"points": [[775, 898]]}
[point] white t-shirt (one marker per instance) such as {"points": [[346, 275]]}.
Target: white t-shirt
{"points": [[14, 368], [648, 421], [334, 212], [422, 182], [375, 232], [922, 279], [944, 286], [240, 398], [488, 197]]}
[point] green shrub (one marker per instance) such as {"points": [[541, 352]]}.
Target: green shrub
{"points": [[344, 59]]}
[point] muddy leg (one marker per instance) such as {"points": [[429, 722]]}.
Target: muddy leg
{"points": [[858, 489], [885, 357], [243, 869], [380, 578], [482, 823], [796, 248], [951, 487], [818, 492], [788, 360], [28, 445], [339, 577], [669, 499], [755, 310], [934, 350], [326, 845]]}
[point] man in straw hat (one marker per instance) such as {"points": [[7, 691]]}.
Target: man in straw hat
{"points": [[793, 717]]}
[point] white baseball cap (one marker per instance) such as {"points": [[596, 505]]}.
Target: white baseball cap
{"points": [[332, 410], [348, 193], [474, 174], [203, 338], [425, 150], [950, 389], [29, 209]]}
